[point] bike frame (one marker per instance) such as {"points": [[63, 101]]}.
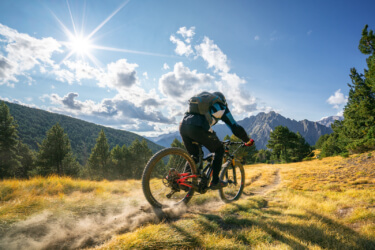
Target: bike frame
{"points": [[183, 177]]}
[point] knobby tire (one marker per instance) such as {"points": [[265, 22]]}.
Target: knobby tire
{"points": [[157, 168], [234, 190]]}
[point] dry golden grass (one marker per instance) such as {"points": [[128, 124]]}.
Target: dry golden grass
{"points": [[259, 175], [319, 204], [20, 199], [342, 189]]}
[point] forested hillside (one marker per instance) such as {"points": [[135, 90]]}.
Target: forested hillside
{"points": [[34, 124]]}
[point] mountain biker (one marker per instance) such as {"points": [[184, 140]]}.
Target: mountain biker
{"points": [[205, 110]]}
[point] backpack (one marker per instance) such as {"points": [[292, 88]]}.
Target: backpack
{"points": [[201, 104]]}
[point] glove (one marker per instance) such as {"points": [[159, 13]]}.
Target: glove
{"points": [[249, 143]]}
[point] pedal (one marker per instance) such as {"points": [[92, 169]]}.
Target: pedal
{"points": [[170, 194]]}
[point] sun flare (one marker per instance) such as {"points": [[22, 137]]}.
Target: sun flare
{"points": [[80, 46]]}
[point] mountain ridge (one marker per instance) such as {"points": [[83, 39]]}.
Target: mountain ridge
{"points": [[328, 121]]}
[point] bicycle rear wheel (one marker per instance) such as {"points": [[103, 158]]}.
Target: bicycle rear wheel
{"points": [[235, 176], [158, 179]]}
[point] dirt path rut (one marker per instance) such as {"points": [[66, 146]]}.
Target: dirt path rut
{"points": [[265, 189]]}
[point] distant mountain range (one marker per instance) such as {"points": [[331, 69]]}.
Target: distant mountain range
{"points": [[327, 121], [34, 124], [260, 126]]}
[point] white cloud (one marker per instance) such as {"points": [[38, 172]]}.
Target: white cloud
{"points": [[180, 89], [337, 100], [18, 102], [64, 75], [82, 70], [70, 103], [24, 53], [181, 83], [182, 48], [8, 71], [116, 111], [145, 75], [120, 75], [340, 113], [188, 34], [240, 100], [139, 127], [166, 66], [256, 38], [309, 32], [213, 55]]}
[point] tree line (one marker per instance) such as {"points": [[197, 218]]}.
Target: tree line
{"points": [[356, 133], [55, 155], [283, 146]]}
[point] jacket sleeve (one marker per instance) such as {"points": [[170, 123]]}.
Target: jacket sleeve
{"points": [[236, 129]]}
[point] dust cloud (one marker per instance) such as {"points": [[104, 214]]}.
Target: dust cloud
{"points": [[49, 230]]}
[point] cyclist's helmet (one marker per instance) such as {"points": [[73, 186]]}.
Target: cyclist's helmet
{"points": [[221, 96]]}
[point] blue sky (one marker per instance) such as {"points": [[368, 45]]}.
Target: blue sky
{"points": [[134, 64]]}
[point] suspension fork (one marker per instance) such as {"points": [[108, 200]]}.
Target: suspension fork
{"points": [[225, 167]]}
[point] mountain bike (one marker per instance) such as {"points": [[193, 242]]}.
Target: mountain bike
{"points": [[172, 177]]}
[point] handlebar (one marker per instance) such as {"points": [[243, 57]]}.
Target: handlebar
{"points": [[228, 143]]}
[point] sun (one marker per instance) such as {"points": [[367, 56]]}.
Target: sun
{"points": [[80, 45]]}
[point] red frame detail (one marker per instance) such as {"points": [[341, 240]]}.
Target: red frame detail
{"points": [[185, 176]]}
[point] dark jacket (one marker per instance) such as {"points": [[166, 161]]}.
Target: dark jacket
{"points": [[218, 112]]}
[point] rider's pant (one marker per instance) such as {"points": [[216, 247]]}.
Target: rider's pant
{"points": [[191, 133]]}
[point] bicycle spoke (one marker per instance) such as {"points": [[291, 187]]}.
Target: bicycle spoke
{"points": [[160, 177]]}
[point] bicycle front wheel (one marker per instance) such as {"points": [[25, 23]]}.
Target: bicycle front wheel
{"points": [[160, 174], [235, 176]]}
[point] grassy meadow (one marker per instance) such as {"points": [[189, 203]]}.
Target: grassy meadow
{"points": [[318, 204]]}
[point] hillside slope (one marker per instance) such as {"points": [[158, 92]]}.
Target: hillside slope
{"points": [[34, 124]]}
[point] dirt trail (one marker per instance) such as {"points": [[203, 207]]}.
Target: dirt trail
{"points": [[52, 231], [265, 189]]}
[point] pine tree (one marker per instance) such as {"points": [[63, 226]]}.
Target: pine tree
{"points": [[322, 139], [299, 147], [9, 161], [279, 142], [54, 148], [263, 156], [177, 144], [359, 113], [331, 146], [27, 159], [140, 154], [287, 145], [120, 160], [100, 157]]}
